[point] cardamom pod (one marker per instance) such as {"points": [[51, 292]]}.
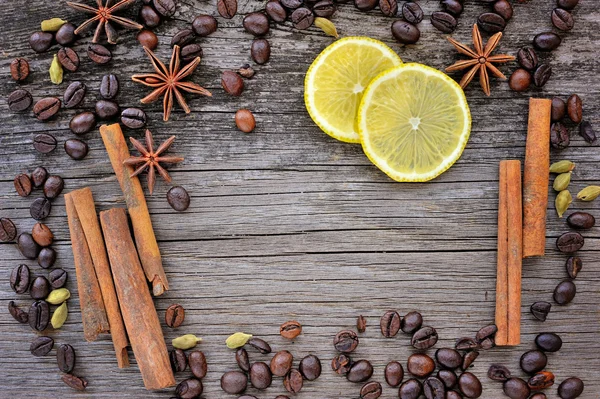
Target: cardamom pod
{"points": [[562, 167], [56, 71], [589, 193], [562, 202], [186, 341], [52, 25], [56, 297], [59, 316], [326, 26], [561, 182], [237, 340]]}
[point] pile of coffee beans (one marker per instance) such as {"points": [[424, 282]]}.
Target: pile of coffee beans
{"points": [[52, 186], [153, 12], [571, 110]]}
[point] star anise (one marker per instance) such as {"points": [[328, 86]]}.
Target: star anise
{"points": [[481, 60], [104, 15], [151, 159], [169, 82]]}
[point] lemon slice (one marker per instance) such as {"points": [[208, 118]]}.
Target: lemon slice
{"points": [[414, 122], [336, 80]]}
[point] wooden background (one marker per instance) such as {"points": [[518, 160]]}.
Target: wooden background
{"points": [[286, 223]]}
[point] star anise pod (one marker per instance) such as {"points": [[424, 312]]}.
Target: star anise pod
{"points": [[169, 82], [481, 60], [151, 159], [104, 16]]}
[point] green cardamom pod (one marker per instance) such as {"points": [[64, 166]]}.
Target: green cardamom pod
{"points": [[59, 316], [561, 182], [326, 26], [56, 71], [52, 25], [237, 340], [186, 341], [56, 297], [562, 202], [589, 193], [562, 167]]}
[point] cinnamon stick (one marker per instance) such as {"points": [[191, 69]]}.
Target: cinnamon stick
{"points": [[535, 180], [86, 211], [138, 209], [139, 314], [93, 313]]}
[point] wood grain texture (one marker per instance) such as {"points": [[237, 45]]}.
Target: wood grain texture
{"points": [[286, 223]]}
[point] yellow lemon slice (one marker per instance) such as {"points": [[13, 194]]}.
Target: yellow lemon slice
{"points": [[414, 122], [335, 82]]}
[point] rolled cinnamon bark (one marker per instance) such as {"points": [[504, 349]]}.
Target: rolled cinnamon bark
{"points": [[139, 314]]}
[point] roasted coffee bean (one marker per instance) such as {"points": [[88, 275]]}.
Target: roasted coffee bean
{"points": [[361, 324], [453, 395], [46, 108], [310, 367], [178, 360], [504, 9], [448, 377], [390, 323], [548, 342], [365, 5], [256, 23], [520, 80], [277, 12], [575, 108], [434, 388], [542, 74], [203, 25], [241, 357], [448, 358], [516, 388], [148, 39], [341, 364], [17, 313], [8, 230], [133, 118], [183, 38], [40, 288], [360, 371], [546, 41], [106, 109], [567, 4], [541, 380], [27, 246], [498, 372], [65, 35], [260, 51], [41, 41], [166, 8], [68, 58], [303, 18], [178, 198], [174, 315], [466, 343], [405, 32], [57, 278], [83, 123], [99, 54], [468, 359], [65, 357], [581, 220], [39, 315], [19, 69], [410, 389], [559, 136], [259, 344], [232, 83], [76, 149], [74, 382], [540, 310], [189, 389], [190, 52], [345, 341], [562, 19], [424, 338], [371, 390], [420, 365], [527, 58], [23, 184], [469, 385], [570, 242], [38, 178], [570, 388], [293, 382], [47, 257], [41, 346], [109, 87], [44, 143], [260, 375], [53, 186], [281, 363], [533, 361], [564, 292], [486, 333], [20, 278], [19, 100], [74, 94], [453, 7], [587, 132], [389, 8], [149, 17], [559, 109], [443, 22], [394, 373], [573, 266], [227, 8], [491, 22], [412, 12], [198, 364], [290, 329], [326, 8], [291, 4]]}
